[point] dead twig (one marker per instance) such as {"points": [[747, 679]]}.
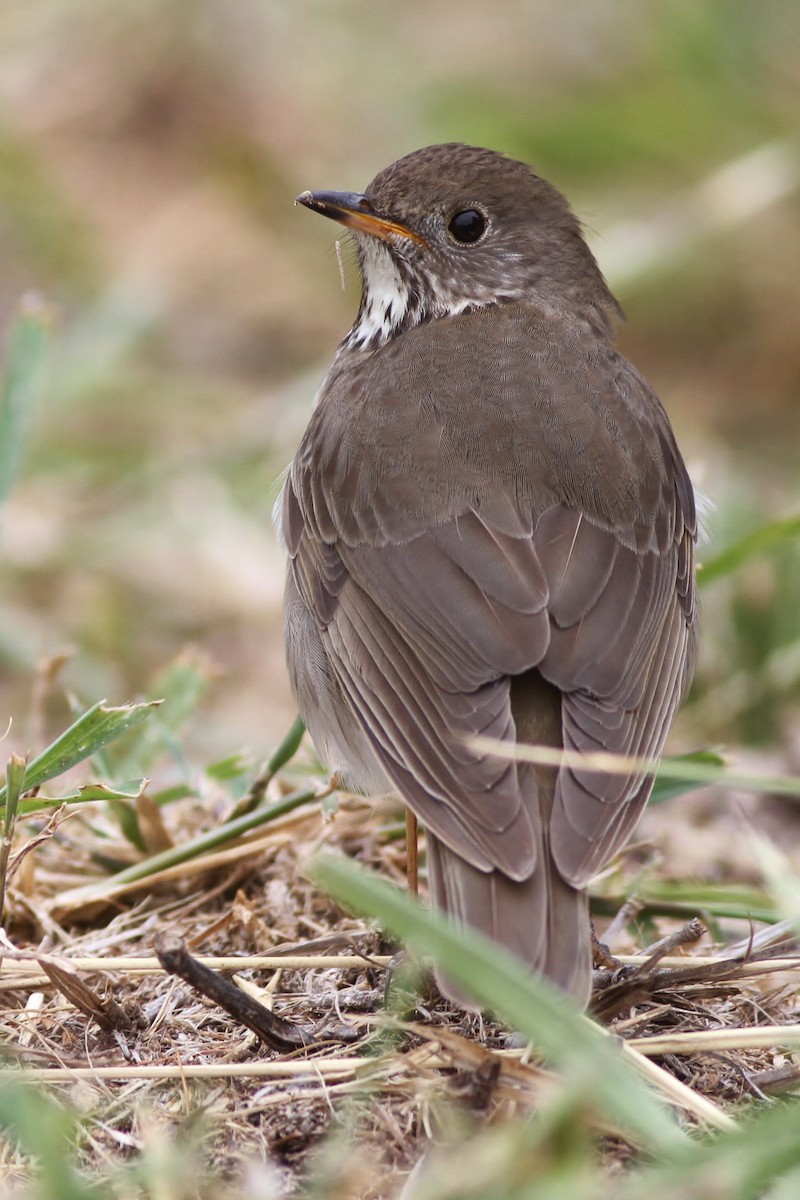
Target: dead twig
{"points": [[276, 1032]]}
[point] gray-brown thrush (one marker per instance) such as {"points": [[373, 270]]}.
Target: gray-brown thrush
{"points": [[491, 531]]}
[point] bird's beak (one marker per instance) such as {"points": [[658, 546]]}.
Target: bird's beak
{"points": [[356, 212]]}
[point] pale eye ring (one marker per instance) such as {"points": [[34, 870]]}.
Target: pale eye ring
{"points": [[468, 225]]}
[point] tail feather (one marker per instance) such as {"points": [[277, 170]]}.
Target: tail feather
{"points": [[543, 919]]}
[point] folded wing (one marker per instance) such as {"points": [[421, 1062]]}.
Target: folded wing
{"points": [[423, 637]]}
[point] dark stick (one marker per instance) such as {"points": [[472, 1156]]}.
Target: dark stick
{"points": [[274, 1031]]}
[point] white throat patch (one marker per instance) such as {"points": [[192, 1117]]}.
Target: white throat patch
{"points": [[385, 300]]}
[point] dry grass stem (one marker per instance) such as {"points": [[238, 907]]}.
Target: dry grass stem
{"points": [[623, 764], [677, 1092], [760, 1037]]}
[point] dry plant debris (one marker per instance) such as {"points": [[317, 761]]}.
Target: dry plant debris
{"points": [[89, 1007]]}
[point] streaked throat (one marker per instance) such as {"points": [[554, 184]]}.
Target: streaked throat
{"points": [[395, 297], [386, 301]]}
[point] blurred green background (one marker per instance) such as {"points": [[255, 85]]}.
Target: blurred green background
{"points": [[150, 151]]}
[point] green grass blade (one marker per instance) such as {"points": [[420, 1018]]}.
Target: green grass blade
{"points": [[21, 386], [666, 788], [15, 777], [686, 898], [760, 541], [286, 751], [734, 1166], [45, 1130], [93, 729], [527, 1003], [781, 879], [87, 793]]}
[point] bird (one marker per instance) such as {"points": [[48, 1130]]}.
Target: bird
{"points": [[490, 532]]}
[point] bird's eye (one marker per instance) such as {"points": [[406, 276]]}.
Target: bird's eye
{"points": [[468, 226]]}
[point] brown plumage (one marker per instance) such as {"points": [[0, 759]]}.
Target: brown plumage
{"points": [[490, 531]]}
